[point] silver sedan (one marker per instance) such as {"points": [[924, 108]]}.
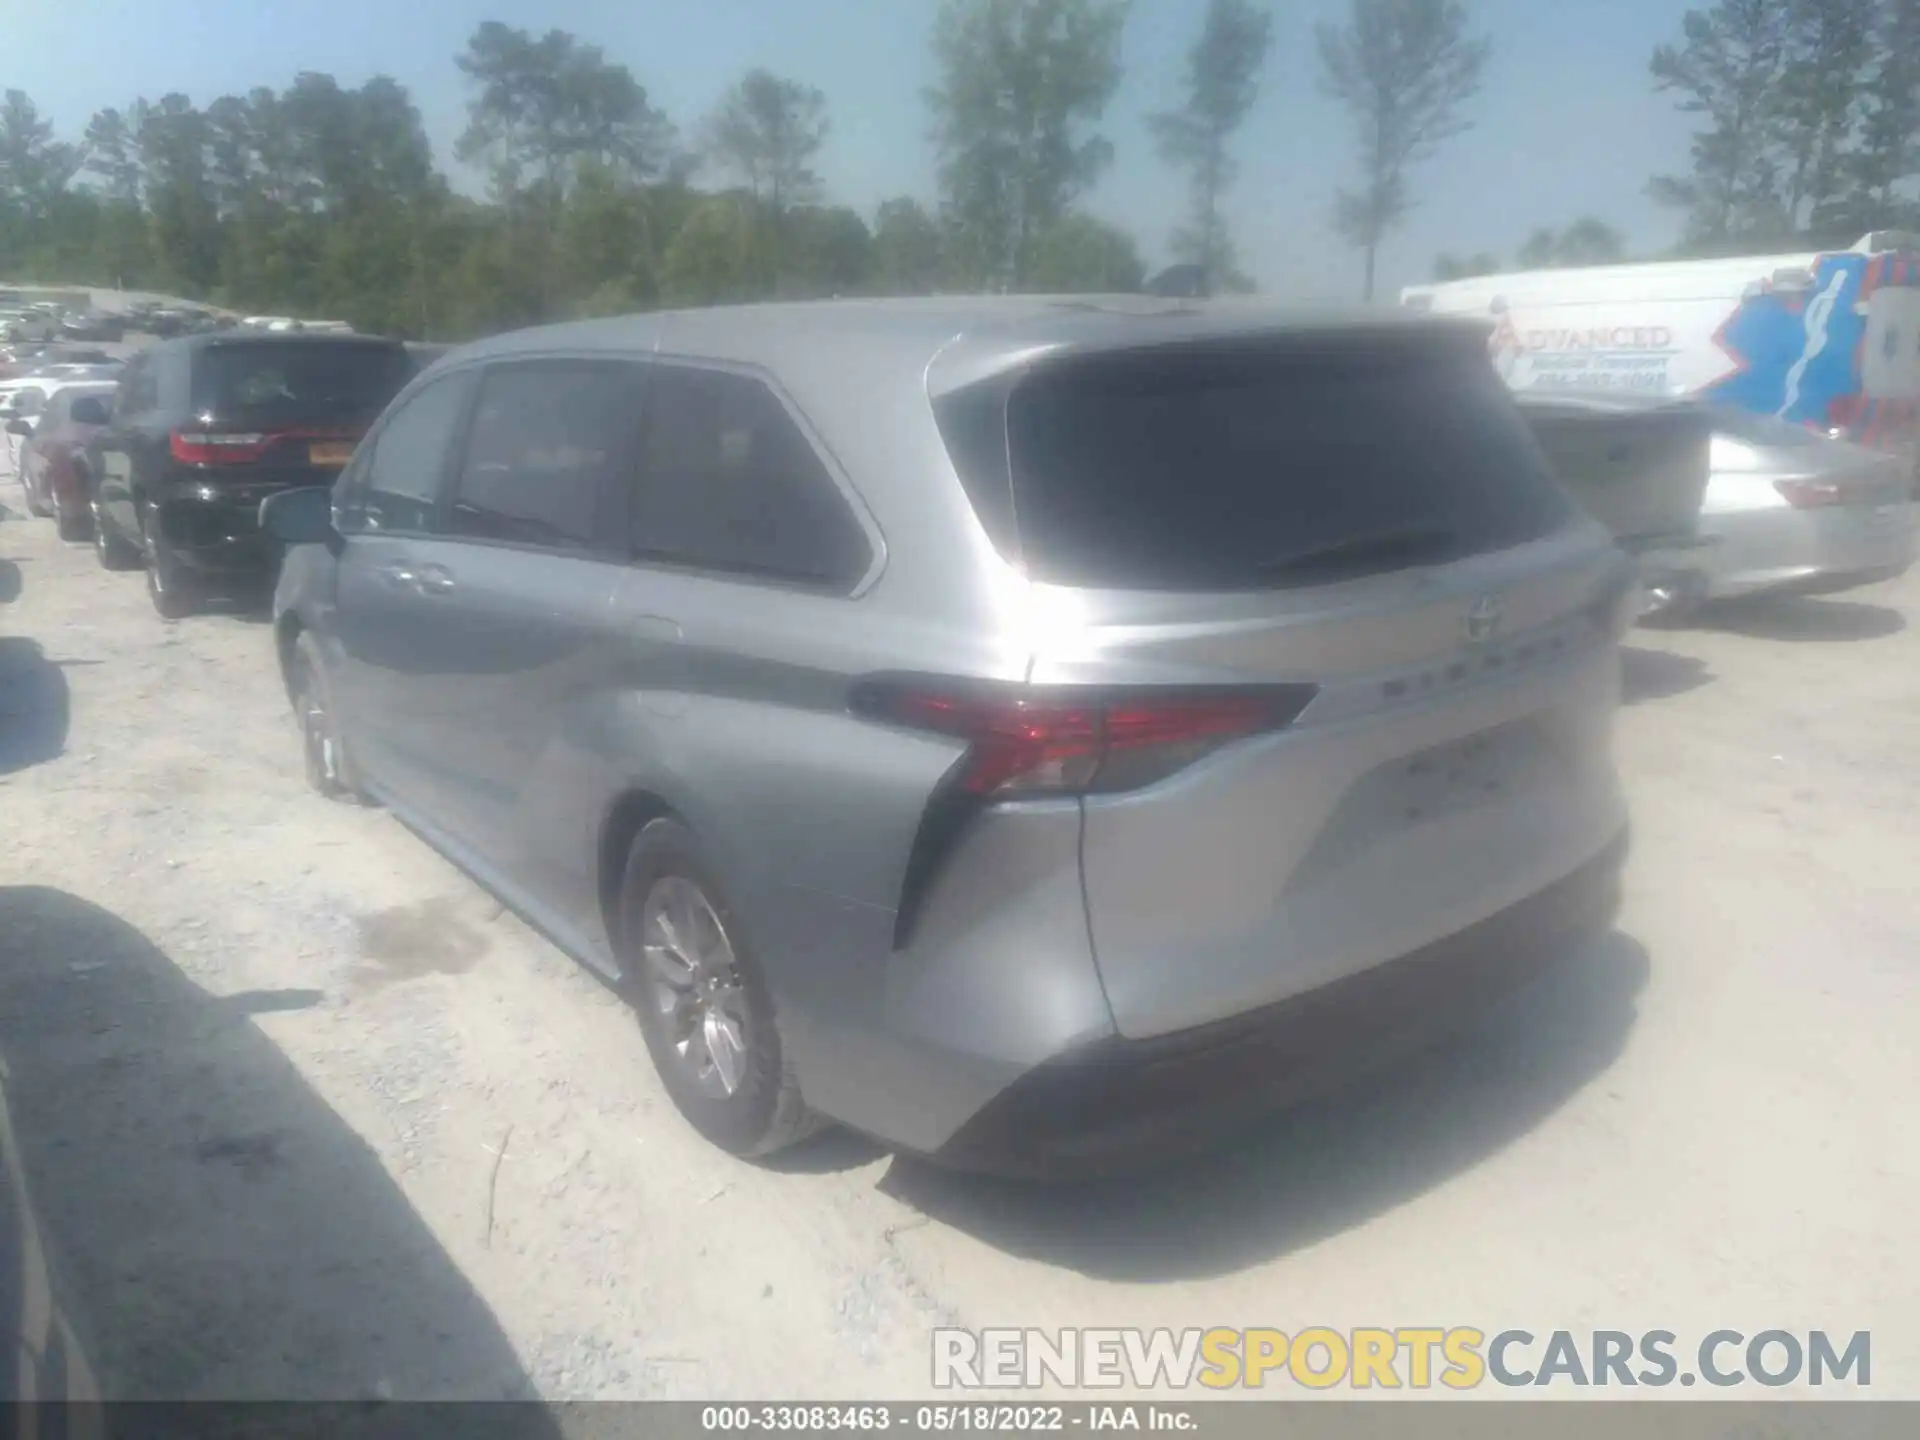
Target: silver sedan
{"points": [[1791, 509]]}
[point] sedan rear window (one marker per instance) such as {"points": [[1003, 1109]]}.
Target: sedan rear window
{"points": [[304, 378], [1257, 467]]}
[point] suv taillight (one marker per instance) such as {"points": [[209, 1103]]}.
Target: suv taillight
{"points": [[198, 447], [1028, 741]]}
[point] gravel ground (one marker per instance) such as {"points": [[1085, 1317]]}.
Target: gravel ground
{"points": [[313, 1117]]}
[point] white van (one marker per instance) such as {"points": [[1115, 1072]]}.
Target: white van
{"points": [[1830, 340]]}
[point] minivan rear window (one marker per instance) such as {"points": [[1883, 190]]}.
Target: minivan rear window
{"points": [[1225, 468], [303, 378]]}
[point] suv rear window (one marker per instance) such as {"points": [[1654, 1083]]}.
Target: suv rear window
{"points": [[1225, 468], [303, 378]]}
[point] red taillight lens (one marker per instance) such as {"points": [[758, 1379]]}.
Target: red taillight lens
{"points": [[1810, 494], [193, 447], [1025, 741], [1017, 743]]}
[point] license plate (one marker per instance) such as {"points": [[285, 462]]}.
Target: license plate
{"points": [[1884, 517], [330, 452]]}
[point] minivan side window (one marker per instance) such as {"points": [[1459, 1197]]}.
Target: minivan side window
{"points": [[545, 441], [402, 477], [728, 482]]}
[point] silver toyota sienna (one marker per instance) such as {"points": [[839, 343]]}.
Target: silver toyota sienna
{"points": [[1027, 731]]}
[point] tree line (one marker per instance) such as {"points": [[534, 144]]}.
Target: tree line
{"points": [[1807, 137], [1809, 121], [326, 200]]}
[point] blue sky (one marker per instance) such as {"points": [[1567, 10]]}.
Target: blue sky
{"points": [[1567, 123]]}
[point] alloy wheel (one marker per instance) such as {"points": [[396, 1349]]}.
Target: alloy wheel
{"points": [[693, 984], [321, 750]]}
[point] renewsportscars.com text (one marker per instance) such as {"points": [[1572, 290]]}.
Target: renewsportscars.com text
{"points": [[1415, 1358]]}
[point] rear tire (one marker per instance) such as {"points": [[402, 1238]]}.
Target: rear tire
{"points": [[66, 524], [329, 770], [113, 552], [173, 588], [761, 1110]]}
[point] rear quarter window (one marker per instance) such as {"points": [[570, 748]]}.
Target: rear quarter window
{"points": [[1208, 468], [728, 483]]}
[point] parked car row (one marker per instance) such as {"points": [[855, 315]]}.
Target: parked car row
{"points": [[1022, 732], [50, 462], [33, 386], [168, 466], [166, 321], [48, 321], [39, 321], [18, 362], [286, 324], [1808, 362]]}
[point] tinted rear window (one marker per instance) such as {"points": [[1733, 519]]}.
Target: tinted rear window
{"points": [[1211, 470], [299, 379]]}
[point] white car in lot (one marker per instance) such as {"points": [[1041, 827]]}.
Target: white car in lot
{"points": [[21, 399], [1788, 508]]}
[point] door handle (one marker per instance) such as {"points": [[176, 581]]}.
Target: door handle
{"points": [[421, 579]]}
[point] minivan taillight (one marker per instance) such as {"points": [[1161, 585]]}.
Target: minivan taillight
{"points": [[1030, 741], [198, 447]]}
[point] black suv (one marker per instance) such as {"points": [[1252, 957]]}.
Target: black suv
{"points": [[204, 428]]}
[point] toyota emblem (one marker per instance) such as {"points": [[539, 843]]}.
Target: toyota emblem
{"points": [[1483, 620]]}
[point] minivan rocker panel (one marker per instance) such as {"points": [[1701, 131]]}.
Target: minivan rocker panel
{"points": [[1129, 772]]}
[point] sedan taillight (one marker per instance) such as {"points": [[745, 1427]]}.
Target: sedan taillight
{"points": [[1811, 494]]}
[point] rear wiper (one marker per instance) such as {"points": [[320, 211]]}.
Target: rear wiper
{"points": [[1407, 543]]}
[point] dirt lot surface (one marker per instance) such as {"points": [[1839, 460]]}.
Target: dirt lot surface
{"points": [[312, 1116]]}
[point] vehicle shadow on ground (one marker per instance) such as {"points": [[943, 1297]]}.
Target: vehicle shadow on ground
{"points": [[35, 706], [1658, 674], [226, 1234], [1802, 617], [237, 612], [247, 604], [1325, 1167]]}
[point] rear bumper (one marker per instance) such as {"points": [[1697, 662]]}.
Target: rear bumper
{"points": [[1673, 572], [1808, 550], [219, 536], [1117, 1103]]}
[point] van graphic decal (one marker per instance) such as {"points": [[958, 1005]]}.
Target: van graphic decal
{"points": [[1848, 359], [1610, 357]]}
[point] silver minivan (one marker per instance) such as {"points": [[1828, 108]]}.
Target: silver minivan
{"points": [[1026, 731]]}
